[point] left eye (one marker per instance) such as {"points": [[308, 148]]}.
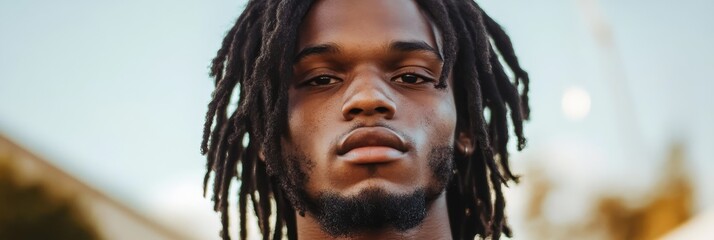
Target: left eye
{"points": [[322, 81], [410, 79]]}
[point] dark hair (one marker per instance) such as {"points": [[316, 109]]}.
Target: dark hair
{"points": [[254, 60]]}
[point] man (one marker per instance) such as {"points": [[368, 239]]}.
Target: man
{"points": [[365, 119]]}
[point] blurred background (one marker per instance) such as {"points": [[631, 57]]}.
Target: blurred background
{"points": [[102, 105]]}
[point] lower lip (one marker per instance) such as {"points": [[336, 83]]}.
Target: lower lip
{"points": [[372, 154]]}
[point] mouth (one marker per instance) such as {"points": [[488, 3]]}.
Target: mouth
{"points": [[369, 145]]}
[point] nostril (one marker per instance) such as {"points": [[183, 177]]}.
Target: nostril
{"points": [[381, 109], [355, 111]]}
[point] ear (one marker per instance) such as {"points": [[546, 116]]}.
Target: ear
{"points": [[261, 154], [465, 143]]}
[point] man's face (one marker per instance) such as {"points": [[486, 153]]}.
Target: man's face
{"points": [[364, 117]]}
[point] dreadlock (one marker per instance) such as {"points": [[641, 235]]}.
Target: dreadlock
{"points": [[252, 61]]}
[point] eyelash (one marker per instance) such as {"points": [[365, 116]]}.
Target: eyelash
{"points": [[418, 76], [311, 81]]}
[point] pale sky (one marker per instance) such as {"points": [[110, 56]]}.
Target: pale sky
{"points": [[115, 92]]}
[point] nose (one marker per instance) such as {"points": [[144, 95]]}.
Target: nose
{"points": [[368, 98]]}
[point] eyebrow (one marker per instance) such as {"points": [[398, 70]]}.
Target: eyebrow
{"points": [[401, 46], [317, 50], [414, 46]]}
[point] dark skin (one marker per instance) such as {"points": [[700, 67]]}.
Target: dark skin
{"points": [[363, 107]]}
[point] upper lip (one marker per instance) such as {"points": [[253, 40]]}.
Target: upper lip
{"points": [[371, 136]]}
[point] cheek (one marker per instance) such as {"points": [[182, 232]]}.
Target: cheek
{"points": [[446, 122], [433, 123], [302, 138], [303, 127], [436, 117], [311, 127]]}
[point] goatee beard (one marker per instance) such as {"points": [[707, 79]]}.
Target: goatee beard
{"points": [[373, 208]]}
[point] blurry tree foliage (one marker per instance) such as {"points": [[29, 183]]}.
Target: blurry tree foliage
{"points": [[666, 207], [31, 212]]}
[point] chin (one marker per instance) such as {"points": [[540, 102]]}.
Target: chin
{"points": [[378, 184], [372, 209]]}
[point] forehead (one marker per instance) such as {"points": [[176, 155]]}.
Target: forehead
{"points": [[364, 22]]}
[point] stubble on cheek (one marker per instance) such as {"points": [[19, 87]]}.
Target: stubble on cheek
{"points": [[441, 153], [441, 164], [296, 176]]}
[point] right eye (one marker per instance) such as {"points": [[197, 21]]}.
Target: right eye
{"points": [[322, 81]]}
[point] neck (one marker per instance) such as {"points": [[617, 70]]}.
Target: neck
{"points": [[435, 226]]}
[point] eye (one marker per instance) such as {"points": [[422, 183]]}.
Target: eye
{"points": [[412, 79], [321, 81]]}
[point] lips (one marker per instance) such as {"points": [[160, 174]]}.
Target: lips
{"points": [[371, 138]]}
